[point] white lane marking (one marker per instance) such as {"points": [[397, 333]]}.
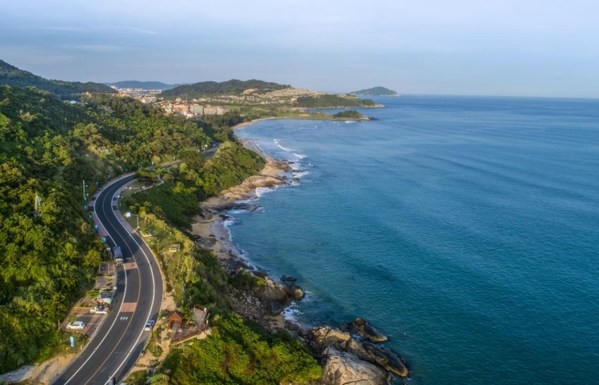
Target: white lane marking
{"points": [[115, 318]]}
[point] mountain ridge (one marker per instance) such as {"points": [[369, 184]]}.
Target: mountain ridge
{"points": [[14, 76]]}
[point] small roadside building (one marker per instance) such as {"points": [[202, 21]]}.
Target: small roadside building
{"points": [[175, 320]]}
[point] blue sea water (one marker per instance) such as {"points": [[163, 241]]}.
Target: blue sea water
{"points": [[467, 229]]}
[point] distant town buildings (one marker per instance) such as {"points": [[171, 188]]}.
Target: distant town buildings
{"points": [[191, 109], [178, 107]]}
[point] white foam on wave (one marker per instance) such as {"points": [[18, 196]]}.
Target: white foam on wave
{"points": [[300, 174], [292, 312], [262, 190], [228, 222], [259, 147], [299, 156], [279, 145], [236, 211]]}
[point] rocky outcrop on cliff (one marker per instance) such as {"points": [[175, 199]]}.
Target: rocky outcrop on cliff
{"points": [[342, 368], [356, 350], [280, 293]]}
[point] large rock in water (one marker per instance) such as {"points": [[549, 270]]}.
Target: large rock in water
{"points": [[295, 292], [344, 368], [363, 328]]}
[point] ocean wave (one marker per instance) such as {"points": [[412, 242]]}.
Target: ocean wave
{"points": [[292, 313], [279, 145], [263, 190], [300, 174], [299, 156]]}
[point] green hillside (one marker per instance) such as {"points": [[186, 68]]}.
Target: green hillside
{"points": [[13, 76], [333, 101], [229, 87], [47, 148]]}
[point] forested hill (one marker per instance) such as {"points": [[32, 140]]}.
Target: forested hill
{"points": [[13, 76], [47, 149], [375, 91], [229, 87]]}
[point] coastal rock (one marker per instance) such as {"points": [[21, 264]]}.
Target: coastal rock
{"points": [[272, 291], [292, 326], [361, 327], [343, 368], [323, 337], [378, 355], [288, 279], [295, 292]]}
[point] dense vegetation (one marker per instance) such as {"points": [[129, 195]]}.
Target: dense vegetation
{"points": [[375, 91], [13, 76], [229, 87], [47, 147], [195, 179], [349, 114], [242, 353], [332, 101]]}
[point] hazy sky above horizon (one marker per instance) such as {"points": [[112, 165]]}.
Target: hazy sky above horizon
{"points": [[496, 47]]}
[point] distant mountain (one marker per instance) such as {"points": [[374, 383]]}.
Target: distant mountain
{"points": [[14, 76], [229, 87], [143, 85], [375, 91]]}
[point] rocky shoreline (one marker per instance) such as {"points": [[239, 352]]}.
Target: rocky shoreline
{"points": [[349, 353]]}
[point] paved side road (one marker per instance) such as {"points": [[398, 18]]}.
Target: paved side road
{"points": [[121, 338]]}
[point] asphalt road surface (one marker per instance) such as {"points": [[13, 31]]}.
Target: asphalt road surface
{"points": [[119, 341]]}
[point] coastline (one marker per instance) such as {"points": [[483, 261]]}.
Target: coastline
{"points": [[349, 352], [210, 231]]}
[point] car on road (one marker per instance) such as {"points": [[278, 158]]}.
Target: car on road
{"points": [[76, 325], [149, 325]]}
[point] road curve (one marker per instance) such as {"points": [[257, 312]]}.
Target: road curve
{"points": [[121, 338]]}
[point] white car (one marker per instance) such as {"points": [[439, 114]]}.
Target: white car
{"points": [[149, 325], [76, 325]]}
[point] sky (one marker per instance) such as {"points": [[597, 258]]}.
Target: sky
{"points": [[459, 47]]}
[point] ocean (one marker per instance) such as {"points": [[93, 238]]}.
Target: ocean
{"points": [[464, 228]]}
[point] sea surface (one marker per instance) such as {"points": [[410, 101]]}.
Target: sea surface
{"points": [[465, 228]]}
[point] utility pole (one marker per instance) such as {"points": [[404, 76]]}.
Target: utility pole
{"points": [[84, 194], [38, 204]]}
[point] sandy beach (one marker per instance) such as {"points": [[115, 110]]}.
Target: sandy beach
{"points": [[209, 226]]}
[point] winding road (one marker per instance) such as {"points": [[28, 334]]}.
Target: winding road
{"points": [[121, 338]]}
